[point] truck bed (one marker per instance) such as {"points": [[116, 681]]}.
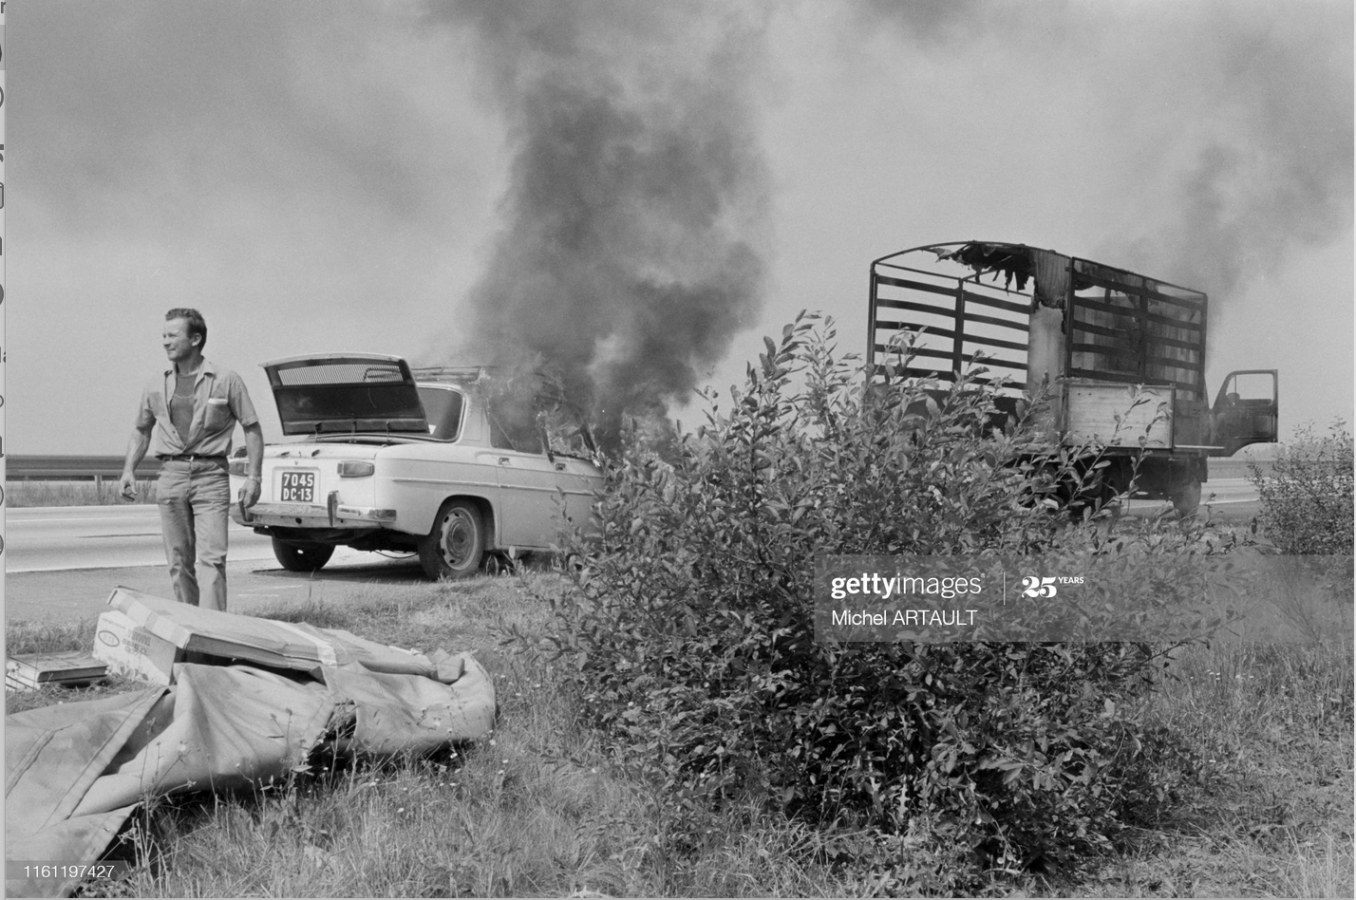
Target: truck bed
{"points": [[1121, 327]]}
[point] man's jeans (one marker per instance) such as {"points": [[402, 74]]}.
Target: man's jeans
{"points": [[195, 498]]}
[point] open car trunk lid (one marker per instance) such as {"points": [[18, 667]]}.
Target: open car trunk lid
{"points": [[346, 393]]}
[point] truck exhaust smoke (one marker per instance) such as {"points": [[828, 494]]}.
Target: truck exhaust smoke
{"points": [[636, 208]]}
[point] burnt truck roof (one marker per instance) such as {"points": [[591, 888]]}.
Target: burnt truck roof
{"points": [[977, 297]]}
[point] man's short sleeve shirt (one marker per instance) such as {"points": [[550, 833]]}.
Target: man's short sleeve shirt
{"points": [[220, 400]]}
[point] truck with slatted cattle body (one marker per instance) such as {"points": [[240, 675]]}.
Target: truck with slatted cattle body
{"points": [[1118, 359]]}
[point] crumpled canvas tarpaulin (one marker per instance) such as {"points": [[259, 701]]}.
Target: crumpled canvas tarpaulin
{"points": [[74, 772]]}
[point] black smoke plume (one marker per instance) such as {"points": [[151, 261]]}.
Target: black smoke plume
{"points": [[1275, 174], [1252, 121], [635, 214]]}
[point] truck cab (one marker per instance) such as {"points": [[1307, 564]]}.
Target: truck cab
{"points": [[1245, 411]]}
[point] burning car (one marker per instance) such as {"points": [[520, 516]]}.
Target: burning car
{"points": [[444, 462]]}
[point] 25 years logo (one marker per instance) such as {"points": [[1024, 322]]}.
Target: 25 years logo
{"points": [[1036, 586], [1044, 587]]}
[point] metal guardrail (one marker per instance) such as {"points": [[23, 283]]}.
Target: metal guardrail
{"points": [[79, 468], [72, 468]]}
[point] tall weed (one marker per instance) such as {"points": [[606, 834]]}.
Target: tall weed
{"points": [[1307, 496]]}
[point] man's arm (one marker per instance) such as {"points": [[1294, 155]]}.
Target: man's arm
{"points": [[254, 448], [137, 446]]}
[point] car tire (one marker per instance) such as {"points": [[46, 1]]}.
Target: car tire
{"points": [[302, 556], [456, 545]]}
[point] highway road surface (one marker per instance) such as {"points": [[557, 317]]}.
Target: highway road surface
{"points": [[107, 537], [1232, 500], [61, 564], [64, 538], [100, 537]]}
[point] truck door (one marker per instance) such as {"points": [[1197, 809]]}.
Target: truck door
{"points": [[1245, 412]]}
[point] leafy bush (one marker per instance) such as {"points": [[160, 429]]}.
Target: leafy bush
{"points": [[1307, 498], [691, 621]]}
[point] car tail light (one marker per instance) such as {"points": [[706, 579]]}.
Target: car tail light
{"points": [[238, 467], [356, 468]]}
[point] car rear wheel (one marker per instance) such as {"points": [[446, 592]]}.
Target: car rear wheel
{"points": [[456, 545], [302, 556]]}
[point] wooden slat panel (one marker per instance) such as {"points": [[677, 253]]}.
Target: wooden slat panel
{"points": [[994, 342], [1020, 327], [1173, 323], [945, 290], [1175, 363], [1092, 410], [949, 357], [951, 334], [1128, 312], [1107, 350], [997, 303], [914, 326], [1118, 377], [1192, 303], [917, 372]]}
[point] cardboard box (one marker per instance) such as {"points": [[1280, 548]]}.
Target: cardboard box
{"points": [[68, 667], [213, 637], [134, 651]]}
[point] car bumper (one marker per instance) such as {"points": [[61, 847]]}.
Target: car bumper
{"points": [[306, 515]]}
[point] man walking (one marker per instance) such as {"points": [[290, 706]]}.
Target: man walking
{"points": [[187, 416]]}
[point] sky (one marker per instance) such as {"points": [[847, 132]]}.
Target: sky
{"points": [[635, 194]]}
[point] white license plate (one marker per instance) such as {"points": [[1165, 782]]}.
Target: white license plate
{"points": [[297, 487]]}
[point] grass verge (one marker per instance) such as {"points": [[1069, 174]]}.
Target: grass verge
{"points": [[538, 809], [24, 494]]}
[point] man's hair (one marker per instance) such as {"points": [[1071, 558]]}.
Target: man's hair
{"points": [[196, 323]]}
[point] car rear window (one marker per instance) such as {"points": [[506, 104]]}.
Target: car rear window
{"points": [[345, 394], [442, 408]]}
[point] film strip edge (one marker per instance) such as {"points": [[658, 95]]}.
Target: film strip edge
{"points": [[4, 346]]}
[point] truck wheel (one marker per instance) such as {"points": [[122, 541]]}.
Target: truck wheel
{"points": [[302, 556], [1186, 497], [456, 545], [1101, 498]]}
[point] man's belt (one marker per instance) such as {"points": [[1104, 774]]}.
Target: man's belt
{"points": [[189, 457]]}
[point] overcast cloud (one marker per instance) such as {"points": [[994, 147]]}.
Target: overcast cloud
{"points": [[636, 193]]}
